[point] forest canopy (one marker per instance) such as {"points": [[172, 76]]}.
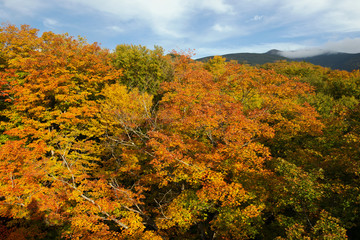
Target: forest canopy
{"points": [[138, 144]]}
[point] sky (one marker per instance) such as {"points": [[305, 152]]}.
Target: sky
{"points": [[208, 27]]}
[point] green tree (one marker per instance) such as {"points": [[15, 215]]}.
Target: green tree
{"points": [[143, 68]]}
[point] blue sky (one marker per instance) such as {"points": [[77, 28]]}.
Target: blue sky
{"points": [[210, 27]]}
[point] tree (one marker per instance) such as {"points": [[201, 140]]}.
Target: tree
{"points": [[137, 145], [53, 157], [143, 68]]}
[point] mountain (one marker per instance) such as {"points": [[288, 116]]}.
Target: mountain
{"points": [[341, 61], [251, 58], [333, 60]]}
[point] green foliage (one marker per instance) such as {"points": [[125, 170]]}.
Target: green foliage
{"points": [[143, 68], [328, 228]]}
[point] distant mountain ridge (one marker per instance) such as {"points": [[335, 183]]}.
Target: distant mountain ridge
{"points": [[333, 60]]}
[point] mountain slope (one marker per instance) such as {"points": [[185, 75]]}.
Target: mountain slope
{"points": [[341, 61], [250, 58]]}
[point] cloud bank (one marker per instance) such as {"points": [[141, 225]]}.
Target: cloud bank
{"points": [[347, 45]]}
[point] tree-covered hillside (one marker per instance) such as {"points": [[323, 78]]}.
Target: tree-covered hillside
{"points": [[333, 60], [136, 144]]}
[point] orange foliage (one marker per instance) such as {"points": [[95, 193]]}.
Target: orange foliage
{"points": [[215, 152]]}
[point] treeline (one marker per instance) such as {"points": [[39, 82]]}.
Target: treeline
{"points": [[136, 144]]}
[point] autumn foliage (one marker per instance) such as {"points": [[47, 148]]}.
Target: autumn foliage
{"points": [[133, 144]]}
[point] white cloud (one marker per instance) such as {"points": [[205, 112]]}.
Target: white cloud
{"points": [[218, 6], [301, 53], [257, 18], [348, 45], [167, 18], [304, 8], [23, 7], [300, 18], [50, 23], [222, 28], [321, 15], [174, 16]]}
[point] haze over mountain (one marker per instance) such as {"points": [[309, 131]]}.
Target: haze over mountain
{"points": [[333, 60]]}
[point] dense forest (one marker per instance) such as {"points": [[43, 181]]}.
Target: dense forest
{"points": [[138, 144]]}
